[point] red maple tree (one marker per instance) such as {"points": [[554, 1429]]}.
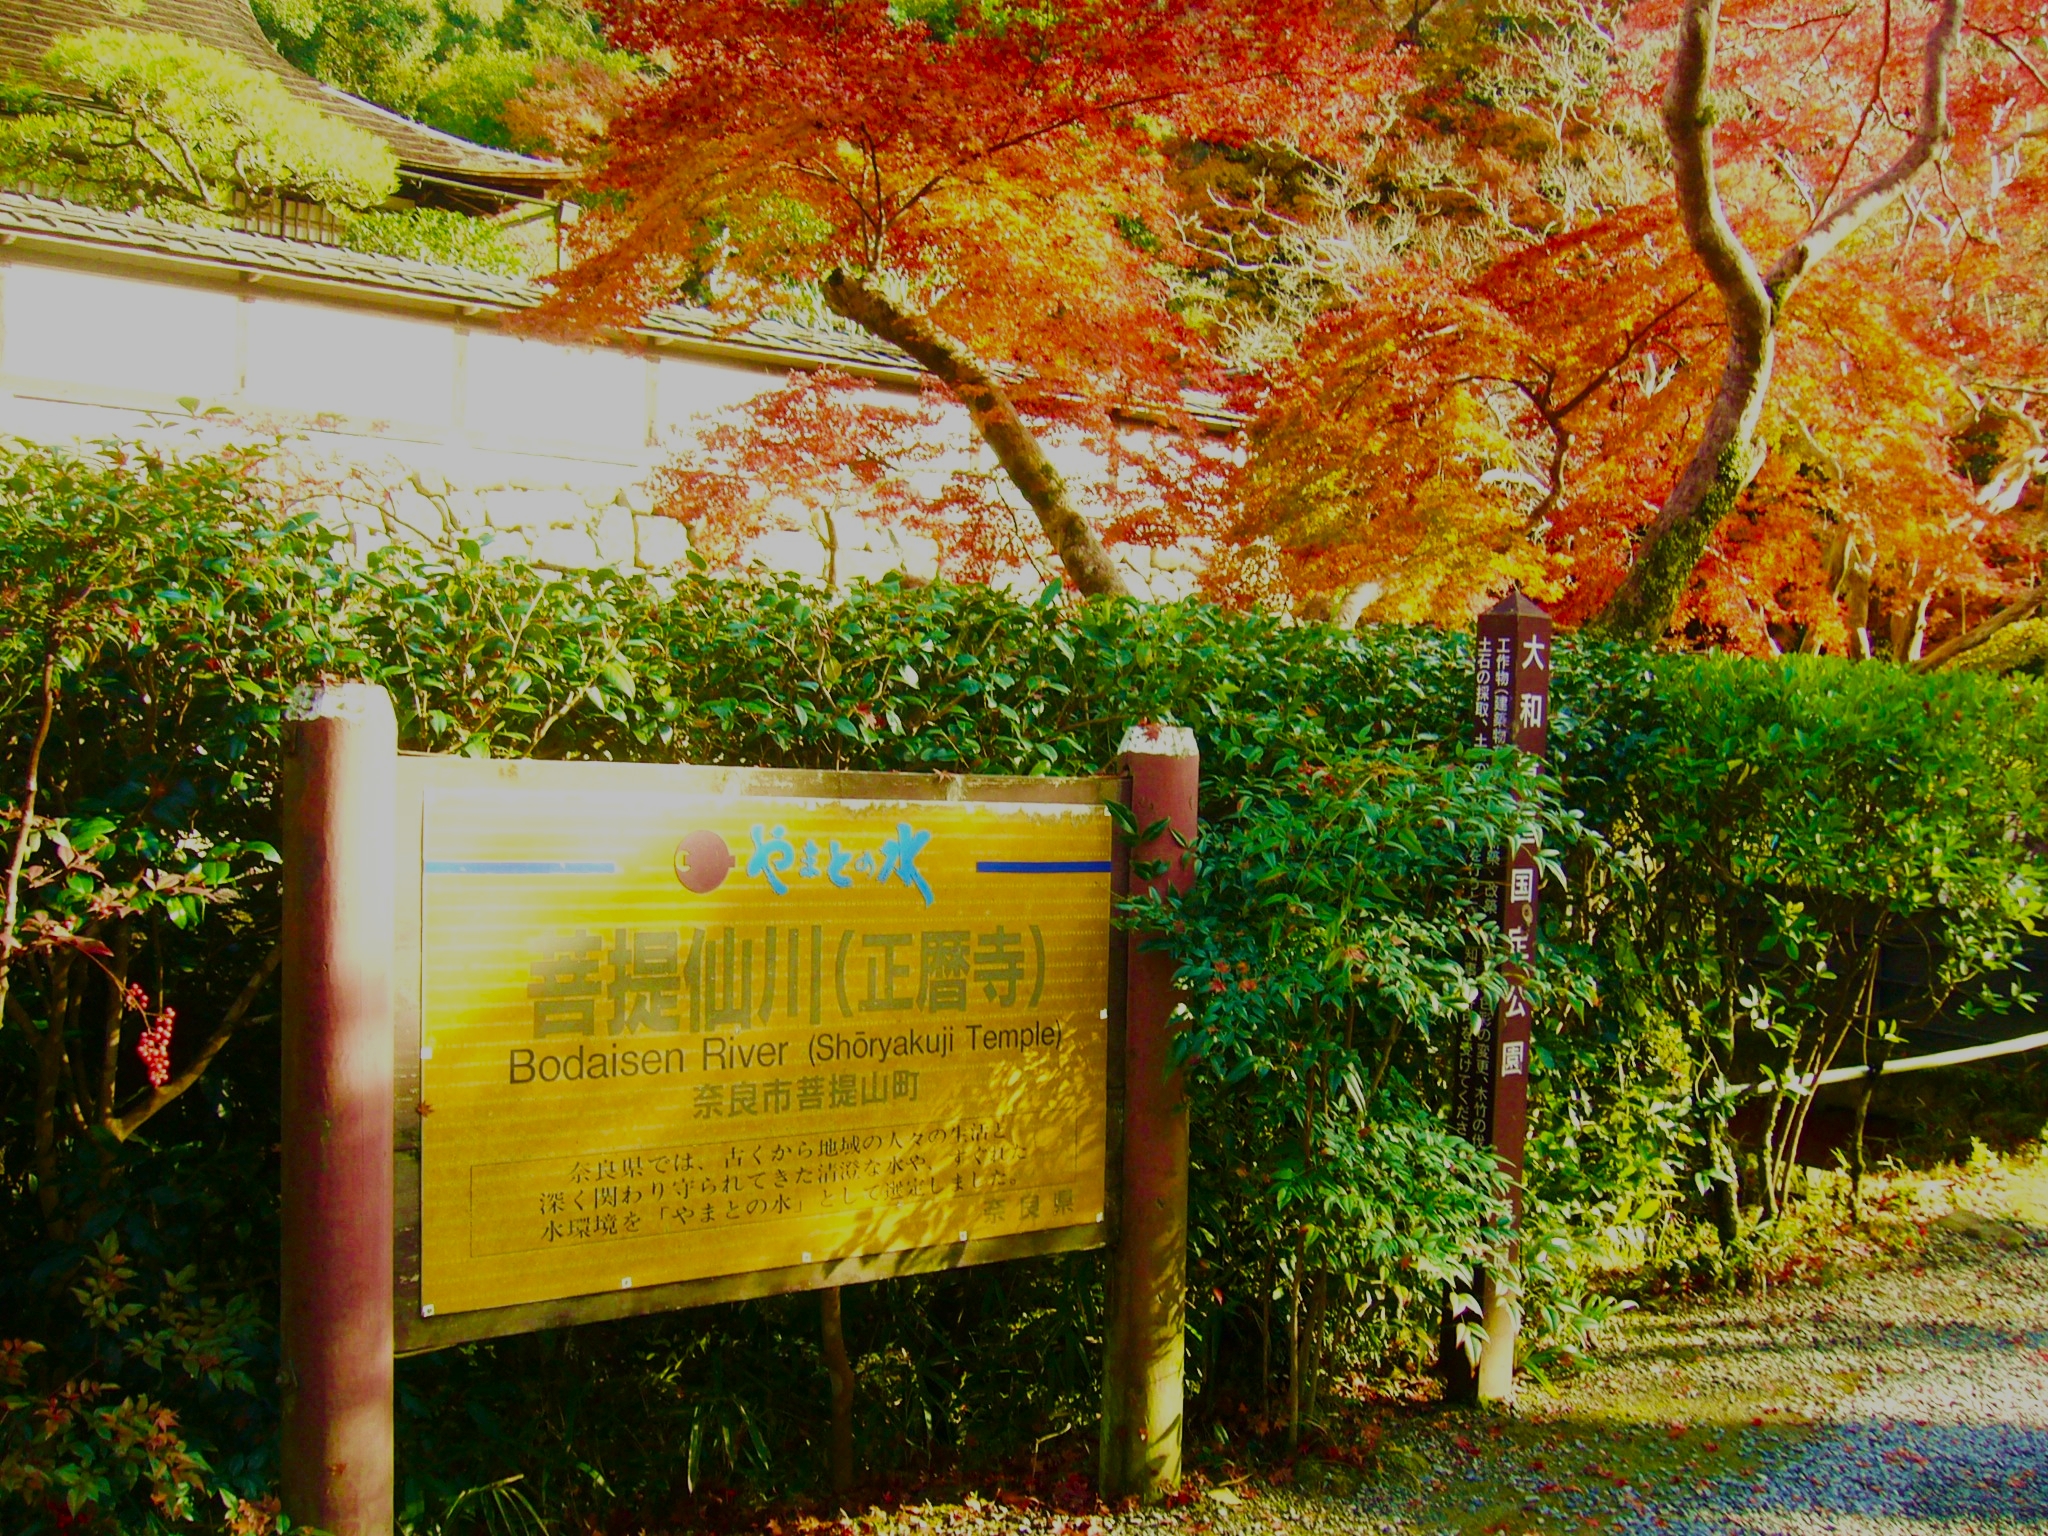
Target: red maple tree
{"points": [[987, 188], [1576, 397]]}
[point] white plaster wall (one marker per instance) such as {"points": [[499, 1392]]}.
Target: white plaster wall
{"points": [[389, 372], [686, 392], [537, 448], [539, 396], [117, 334], [447, 428]]}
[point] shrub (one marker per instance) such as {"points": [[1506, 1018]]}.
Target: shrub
{"points": [[1725, 841], [154, 613], [1332, 947], [438, 237], [1794, 823]]}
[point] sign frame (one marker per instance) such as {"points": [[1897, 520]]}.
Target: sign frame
{"points": [[418, 773]]}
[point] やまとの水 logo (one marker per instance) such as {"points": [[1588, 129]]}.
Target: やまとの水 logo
{"points": [[704, 859]]}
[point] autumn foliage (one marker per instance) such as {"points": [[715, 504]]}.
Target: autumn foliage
{"points": [[1523, 412], [1005, 165], [988, 189], [1433, 256], [847, 466]]}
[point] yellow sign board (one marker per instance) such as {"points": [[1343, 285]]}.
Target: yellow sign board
{"points": [[670, 1036]]}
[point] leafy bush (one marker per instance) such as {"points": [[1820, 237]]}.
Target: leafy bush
{"points": [[66, 1441], [1331, 947], [439, 237], [154, 613], [1694, 809], [458, 65], [186, 600], [1796, 826]]}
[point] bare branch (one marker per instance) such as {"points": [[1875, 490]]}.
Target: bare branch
{"points": [[1794, 26], [2018, 58], [995, 417], [10, 910], [1634, 340], [1931, 135], [1688, 126], [1884, 57], [110, 1023]]}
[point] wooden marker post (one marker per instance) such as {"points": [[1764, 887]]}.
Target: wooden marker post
{"points": [[1145, 1351], [340, 795], [1490, 1079]]}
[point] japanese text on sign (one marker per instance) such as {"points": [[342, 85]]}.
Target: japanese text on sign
{"points": [[670, 1038]]}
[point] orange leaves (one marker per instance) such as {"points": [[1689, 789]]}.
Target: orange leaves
{"points": [[1497, 380], [569, 106], [993, 186], [996, 164], [835, 460], [1814, 96], [1447, 423], [805, 456], [1378, 463], [1442, 439]]}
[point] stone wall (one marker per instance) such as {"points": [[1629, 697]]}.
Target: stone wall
{"points": [[559, 525]]}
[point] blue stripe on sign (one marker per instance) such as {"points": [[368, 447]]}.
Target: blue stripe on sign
{"points": [[1042, 867], [517, 867]]}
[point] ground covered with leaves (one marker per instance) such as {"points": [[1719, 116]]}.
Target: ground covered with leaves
{"points": [[1900, 1384]]}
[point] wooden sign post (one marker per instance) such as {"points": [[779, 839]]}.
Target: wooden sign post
{"points": [[335, 1324], [1146, 1348], [566, 1042], [1490, 1079]]}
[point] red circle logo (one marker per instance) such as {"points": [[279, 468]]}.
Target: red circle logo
{"points": [[703, 861]]}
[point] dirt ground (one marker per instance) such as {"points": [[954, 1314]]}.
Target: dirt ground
{"points": [[1903, 1388]]}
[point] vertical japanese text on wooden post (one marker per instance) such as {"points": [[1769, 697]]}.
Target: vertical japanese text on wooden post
{"points": [[1490, 1077]]}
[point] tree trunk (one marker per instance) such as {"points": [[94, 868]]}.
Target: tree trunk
{"points": [[1856, 1012], [1855, 564], [110, 1024], [988, 404], [1856, 1163], [1318, 1326], [1909, 629], [1354, 603], [1297, 1339], [1767, 1156], [1295, 1360], [1266, 1338], [1726, 1196], [1722, 465], [10, 894], [50, 1068]]}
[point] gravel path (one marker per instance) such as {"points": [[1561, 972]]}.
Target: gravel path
{"points": [[1910, 1398], [1927, 1390], [1907, 1398]]}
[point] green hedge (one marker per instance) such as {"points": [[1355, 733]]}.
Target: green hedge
{"points": [[1718, 832]]}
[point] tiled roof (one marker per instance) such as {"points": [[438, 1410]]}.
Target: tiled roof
{"points": [[28, 27], [68, 225]]}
